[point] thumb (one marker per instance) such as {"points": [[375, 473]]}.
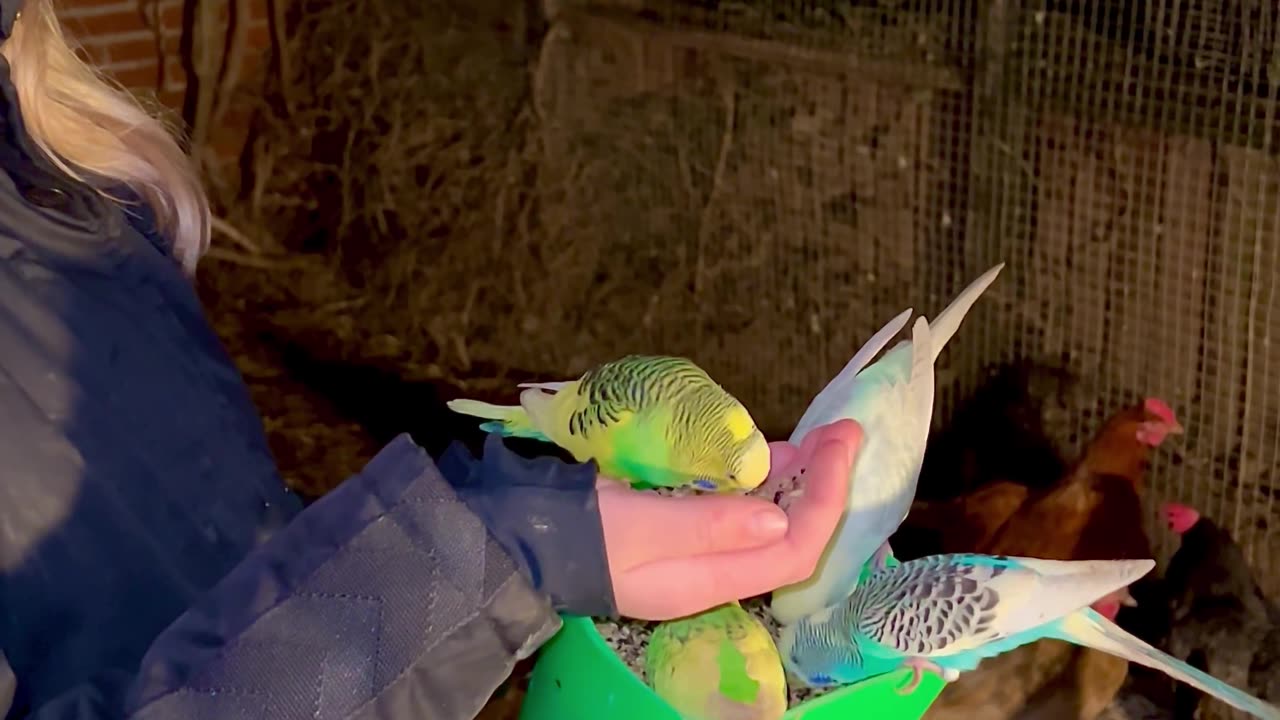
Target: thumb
{"points": [[645, 527], [848, 432]]}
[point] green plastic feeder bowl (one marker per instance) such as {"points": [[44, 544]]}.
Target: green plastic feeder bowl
{"points": [[579, 677]]}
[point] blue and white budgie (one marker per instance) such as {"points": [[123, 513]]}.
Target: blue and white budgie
{"points": [[893, 402], [947, 613]]}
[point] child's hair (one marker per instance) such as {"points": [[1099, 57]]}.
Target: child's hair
{"points": [[88, 126]]}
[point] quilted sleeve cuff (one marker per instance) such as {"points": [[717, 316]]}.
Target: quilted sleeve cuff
{"points": [[386, 598], [546, 514]]}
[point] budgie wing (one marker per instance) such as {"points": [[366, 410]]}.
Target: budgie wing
{"points": [[893, 401], [602, 401], [569, 419], [945, 323], [630, 415], [916, 411], [935, 606], [895, 404], [885, 400], [608, 395], [949, 604], [827, 405], [898, 389]]}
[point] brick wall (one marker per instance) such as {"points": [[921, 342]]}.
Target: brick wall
{"points": [[137, 42]]}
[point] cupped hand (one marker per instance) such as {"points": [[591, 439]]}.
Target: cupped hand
{"points": [[675, 556]]}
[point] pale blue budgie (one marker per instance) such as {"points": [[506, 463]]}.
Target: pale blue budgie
{"points": [[893, 402], [947, 613]]}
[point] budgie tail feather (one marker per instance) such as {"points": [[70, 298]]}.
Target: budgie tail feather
{"points": [[923, 342], [537, 406], [1091, 629], [922, 390], [556, 386], [823, 406], [505, 420], [948, 321]]}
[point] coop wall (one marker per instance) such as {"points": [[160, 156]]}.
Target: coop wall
{"points": [[774, 187], [138, 44]]}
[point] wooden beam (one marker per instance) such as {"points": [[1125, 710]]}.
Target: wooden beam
{"points": [[915, 75]]}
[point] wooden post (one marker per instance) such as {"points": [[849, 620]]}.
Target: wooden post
{"points": [[999, 186]]}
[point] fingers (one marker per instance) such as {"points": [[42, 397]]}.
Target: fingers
{"points": [[813, 517], [827, 475], [645, 527], [785, 477], [846, 431], [713, 579], [781, 454]]}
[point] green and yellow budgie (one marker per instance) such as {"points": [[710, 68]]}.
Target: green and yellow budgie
{"points": [[721, 664], [654, 421]]}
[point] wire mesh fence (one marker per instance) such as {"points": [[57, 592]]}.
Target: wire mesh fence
{"points": [[778, 179]]}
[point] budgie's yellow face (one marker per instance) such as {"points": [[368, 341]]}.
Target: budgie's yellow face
{"points": [[747, 451], [751, 466], [721, 450]]}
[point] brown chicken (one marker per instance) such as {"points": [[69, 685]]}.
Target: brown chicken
{"points": [[960, 525], [1005, 440], [1120, 450], [1093, 512], [1013, 426]]}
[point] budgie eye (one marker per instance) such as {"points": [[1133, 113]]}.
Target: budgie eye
{"points": [[733, 477]]}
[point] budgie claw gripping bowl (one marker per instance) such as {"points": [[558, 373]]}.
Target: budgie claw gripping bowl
{"points": [[579, 677]]}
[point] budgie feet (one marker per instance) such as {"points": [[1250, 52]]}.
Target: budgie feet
{"points": [[918, 666]]}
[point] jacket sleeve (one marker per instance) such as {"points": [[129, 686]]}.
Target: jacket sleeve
{"points": [[387, 598]]}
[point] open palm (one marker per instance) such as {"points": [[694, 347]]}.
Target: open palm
{"points": [[675, 556]]}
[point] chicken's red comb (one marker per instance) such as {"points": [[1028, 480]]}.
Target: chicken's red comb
{"points": [[1179, 517], [1160, 409]]}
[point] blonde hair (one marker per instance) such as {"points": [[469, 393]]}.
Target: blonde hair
{"points": [[87, 125]]}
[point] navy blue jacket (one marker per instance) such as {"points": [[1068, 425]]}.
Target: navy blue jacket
{"points": [[152, 563]]}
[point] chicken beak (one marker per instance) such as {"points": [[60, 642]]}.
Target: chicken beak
{"points": [[1173, 428]]}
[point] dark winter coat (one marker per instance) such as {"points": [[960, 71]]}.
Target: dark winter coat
{"points": [[152, 563]]}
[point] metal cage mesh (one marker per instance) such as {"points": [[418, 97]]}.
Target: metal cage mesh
{"points": [[780, 178]]}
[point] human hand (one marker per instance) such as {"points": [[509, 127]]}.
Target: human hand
{"points": [[675, 556]]}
